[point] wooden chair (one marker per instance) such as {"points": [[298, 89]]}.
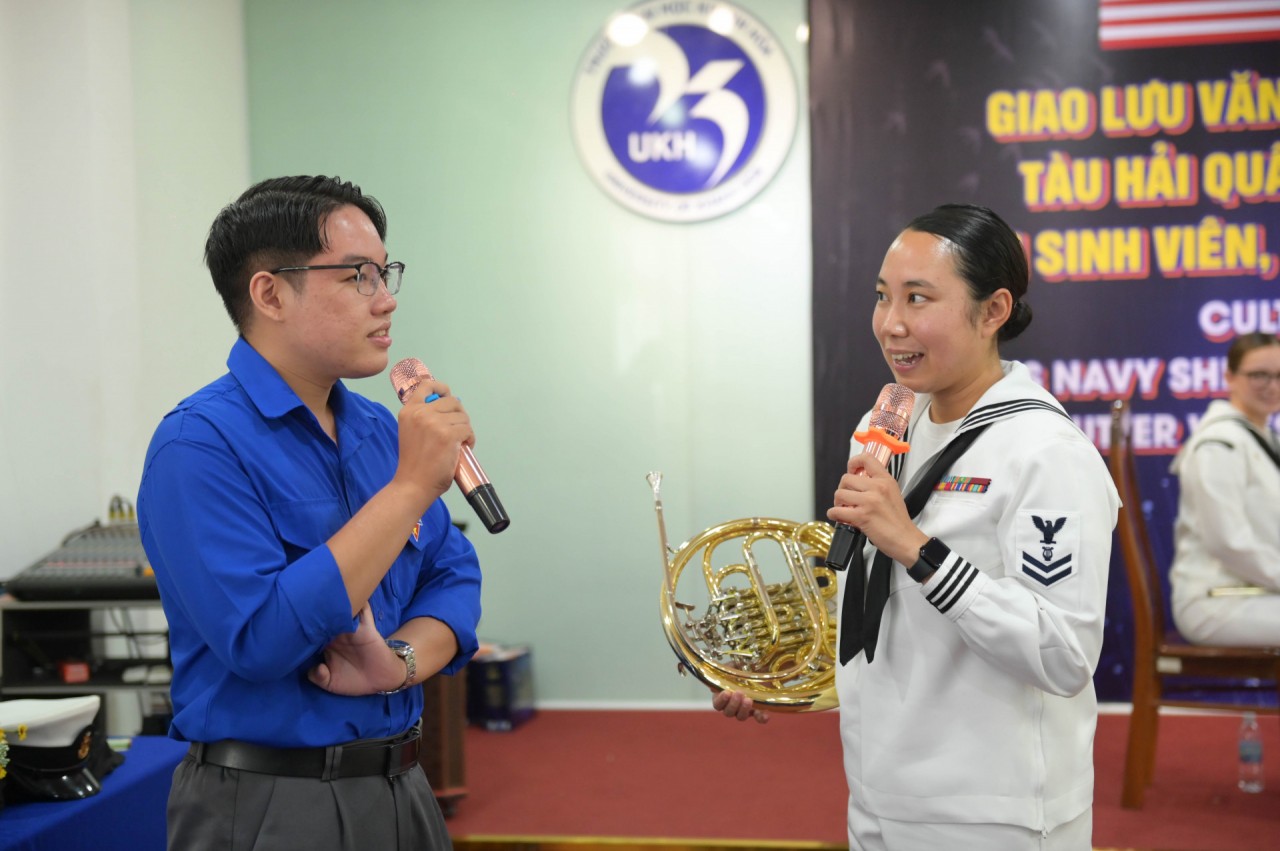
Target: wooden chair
{"points": [[1159, 652]]}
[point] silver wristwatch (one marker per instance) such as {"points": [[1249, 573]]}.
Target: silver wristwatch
{"points": [[404, 650]]}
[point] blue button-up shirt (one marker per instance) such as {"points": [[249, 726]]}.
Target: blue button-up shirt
{"points": [[241, 490]]}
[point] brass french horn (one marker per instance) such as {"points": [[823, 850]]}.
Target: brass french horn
{"points": [[774, 642]]}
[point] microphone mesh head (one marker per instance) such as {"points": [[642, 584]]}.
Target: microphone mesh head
{"points": [[893, 410], [408, 374]]}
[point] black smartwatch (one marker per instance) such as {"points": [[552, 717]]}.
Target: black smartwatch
{"points": [[932, 555]]}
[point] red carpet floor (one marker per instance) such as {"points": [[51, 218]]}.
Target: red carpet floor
{"points": [[1194, 804], [695, 775]]}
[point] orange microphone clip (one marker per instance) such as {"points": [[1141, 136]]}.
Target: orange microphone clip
{"points": [[875, 435]]}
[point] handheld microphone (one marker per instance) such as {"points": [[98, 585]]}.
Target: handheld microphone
{"points": [[882, 440], [469, 476]]}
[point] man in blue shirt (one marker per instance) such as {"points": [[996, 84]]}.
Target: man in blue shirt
{"points": [[308, 569]]}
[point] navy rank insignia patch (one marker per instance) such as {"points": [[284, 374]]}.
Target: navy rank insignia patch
{"points": [[1048, 542]]}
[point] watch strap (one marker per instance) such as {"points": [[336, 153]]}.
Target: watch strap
{"points": [[932, 556], [404, 650]]}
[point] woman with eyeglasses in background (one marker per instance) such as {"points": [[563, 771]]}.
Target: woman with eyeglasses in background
{"points": [[1228, 531]]}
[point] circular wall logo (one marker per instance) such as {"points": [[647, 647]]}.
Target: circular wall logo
{"points": [[684, 111]]}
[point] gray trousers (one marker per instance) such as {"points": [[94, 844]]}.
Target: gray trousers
{"points": [[212, 808]]}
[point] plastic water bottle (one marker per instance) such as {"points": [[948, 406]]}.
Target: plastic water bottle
{"points": [[1250, 754]]}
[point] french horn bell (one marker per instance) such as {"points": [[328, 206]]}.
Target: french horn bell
{"points": [[774, 642]]}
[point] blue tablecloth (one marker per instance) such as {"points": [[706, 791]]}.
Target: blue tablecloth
{"points": [[128, 814]]}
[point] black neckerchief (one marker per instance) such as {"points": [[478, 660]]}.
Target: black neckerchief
{"points": [[1247, 426], [1267, 448], [867, 598]]}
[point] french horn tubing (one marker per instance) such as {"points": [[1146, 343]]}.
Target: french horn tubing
{"points": [[773, 642]]}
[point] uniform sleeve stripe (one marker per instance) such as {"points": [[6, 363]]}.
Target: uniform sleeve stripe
{"points": [[945, 585], [971, 573], [952, 587], [946, 599]]}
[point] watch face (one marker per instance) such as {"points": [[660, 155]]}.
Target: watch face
{"points": [[935, 552], [404, 650]]}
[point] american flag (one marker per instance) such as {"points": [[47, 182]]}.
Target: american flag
{"points": [[1126, 24]]}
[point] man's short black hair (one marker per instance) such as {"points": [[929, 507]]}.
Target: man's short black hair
{"points": [[278, 222]]}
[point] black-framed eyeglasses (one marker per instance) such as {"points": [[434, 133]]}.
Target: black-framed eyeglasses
{"points": [[365, 275], [1260, 378]]}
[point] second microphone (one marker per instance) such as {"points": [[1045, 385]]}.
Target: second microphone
{"points": [[469, 476]]}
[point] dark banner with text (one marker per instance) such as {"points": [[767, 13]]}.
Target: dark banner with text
{"points": [[1137, 153]]}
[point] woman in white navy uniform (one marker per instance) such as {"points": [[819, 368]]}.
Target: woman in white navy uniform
{"points": [[1228, 531], [967, 706]]}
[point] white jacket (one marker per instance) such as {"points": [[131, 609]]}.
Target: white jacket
{"points": [[979, 705], [1228, 527]]}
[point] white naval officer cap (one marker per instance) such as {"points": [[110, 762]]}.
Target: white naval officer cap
{"points": [[48, 744]]}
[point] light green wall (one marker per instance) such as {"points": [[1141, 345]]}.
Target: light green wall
{"points": [[192, 149], [590, 345], [123, 129]]}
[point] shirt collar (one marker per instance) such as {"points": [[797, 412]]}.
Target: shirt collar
{"points": [[261, 382], [274, 398], [1014, 385]]}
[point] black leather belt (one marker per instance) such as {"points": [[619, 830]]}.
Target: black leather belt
{"points": [[364, 758]]}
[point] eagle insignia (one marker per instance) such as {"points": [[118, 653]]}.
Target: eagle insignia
{"points": [[1048, 544], [1048, 528]]}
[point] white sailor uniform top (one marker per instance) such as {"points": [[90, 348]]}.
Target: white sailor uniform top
{"points": [[1228, 527], [979, 704]]}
